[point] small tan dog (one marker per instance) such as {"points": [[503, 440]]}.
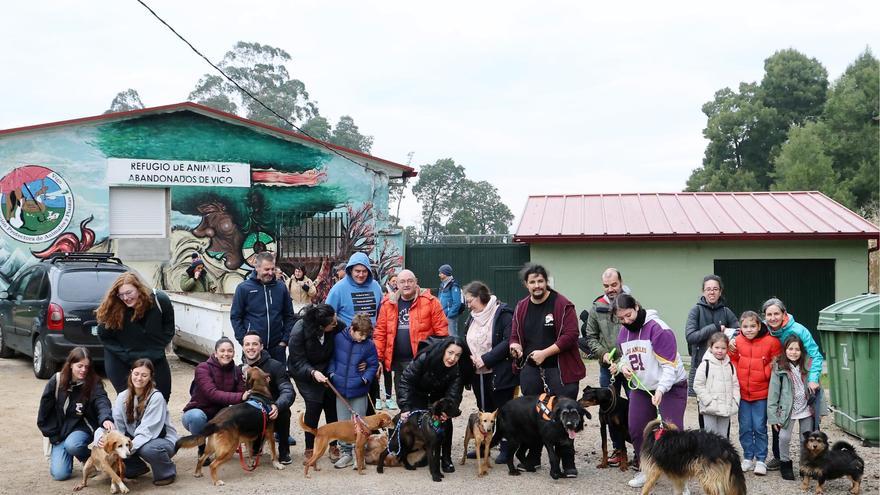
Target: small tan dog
{"points": [[345, 431], [108, 459], [377, 443], [481, 427]]}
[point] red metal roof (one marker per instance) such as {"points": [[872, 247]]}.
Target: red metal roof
{"points": [[690, 216], [214, 113]]}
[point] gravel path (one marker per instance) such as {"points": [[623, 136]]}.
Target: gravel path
{"points": [[24, 470]]}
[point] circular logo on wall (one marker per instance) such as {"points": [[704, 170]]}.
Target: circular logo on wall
{"points": [[36, 204]]}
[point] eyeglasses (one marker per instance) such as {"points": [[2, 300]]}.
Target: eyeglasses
{"points": [[127, 294], [712, 289]]}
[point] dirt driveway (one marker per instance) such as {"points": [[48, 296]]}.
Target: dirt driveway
{"points": [[23, 469]]}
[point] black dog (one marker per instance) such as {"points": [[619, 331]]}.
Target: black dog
{"points": [[682, 455], [822, 463], [420, 431], [530, 422], [613, 417]]}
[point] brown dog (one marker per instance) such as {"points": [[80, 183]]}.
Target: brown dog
{"points": [[108, 459], [480, 427], [378, 443], [345, 431], [241, 423]]}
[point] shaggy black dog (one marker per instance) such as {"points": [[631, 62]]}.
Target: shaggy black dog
{"points": [[528, 423], [681, 455], [420, 431], [613, 416], [822, 463]]}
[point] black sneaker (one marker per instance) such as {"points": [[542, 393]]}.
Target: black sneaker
{"points": [[447, 466], [570, 473], [166, 481], [284, 459], [472, 454], [773, 465]]}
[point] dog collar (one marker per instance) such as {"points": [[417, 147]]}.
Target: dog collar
{"points": [[544, 407]]}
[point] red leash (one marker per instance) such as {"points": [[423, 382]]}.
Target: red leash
{"points": [[259, 454], [359, 424]]}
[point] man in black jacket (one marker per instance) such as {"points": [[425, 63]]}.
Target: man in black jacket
{"points": [[279, 385]]}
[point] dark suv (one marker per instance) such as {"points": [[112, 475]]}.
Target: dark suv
{"points": [[50, 308]]}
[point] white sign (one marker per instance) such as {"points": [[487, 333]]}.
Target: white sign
{"points": [[147, 172]]}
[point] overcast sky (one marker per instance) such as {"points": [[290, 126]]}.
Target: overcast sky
{"points": [[535, 97]]}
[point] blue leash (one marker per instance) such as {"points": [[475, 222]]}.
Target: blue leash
{"points": [[397, 432]]}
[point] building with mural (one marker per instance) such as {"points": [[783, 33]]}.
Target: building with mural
{"points": [[159, 184]]}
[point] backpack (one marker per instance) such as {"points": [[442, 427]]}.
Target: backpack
{"points": [[732, 369]]}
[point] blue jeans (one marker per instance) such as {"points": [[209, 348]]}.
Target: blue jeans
{"points": [[194, 420], [61, 459], [753, 429], [359, 404], [453, 326], [617, 440]]}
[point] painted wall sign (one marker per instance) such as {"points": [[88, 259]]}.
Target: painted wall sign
{"points": [[37, 204], [147, 172]]}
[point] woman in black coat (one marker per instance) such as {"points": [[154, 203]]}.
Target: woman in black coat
{"points": [[438, 371], [311, 350], [73, 405]]}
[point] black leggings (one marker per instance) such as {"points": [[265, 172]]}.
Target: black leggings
{"points": [[313, 414], [117, 372], [489, 400]]}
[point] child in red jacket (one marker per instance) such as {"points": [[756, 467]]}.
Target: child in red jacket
{"points": [[752, 354]]}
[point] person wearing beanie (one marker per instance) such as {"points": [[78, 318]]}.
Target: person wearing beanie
{"points": [[196, 278], [450, 298]]}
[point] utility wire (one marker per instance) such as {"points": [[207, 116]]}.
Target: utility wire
{"points": [[248, 93]]}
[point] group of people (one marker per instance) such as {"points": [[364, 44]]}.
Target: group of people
{"points": [[763, 368]]}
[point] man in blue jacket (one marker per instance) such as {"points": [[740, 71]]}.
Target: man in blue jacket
{"points": [[263, 305], [450, 298], [357, 293]]}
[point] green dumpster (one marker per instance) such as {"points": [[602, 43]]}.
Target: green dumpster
{"points": [[850, 333]]}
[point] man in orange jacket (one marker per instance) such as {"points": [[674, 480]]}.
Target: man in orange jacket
{"points": [[406, 318]]}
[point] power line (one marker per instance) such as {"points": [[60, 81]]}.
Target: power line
{"points": [[248, 93]]}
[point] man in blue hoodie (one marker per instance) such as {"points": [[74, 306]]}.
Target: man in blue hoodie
{"points": [[357, 293], [450, 297], [263, 305]]}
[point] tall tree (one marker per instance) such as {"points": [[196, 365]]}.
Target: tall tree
{"points": [[795, 85], [479, 210], [346, 133], [317, 127], [437, 190], [803, 165], [125, 101], [261, 70]]}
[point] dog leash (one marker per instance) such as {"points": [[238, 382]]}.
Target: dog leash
{"points": [[397, 429], [256, 456], [359, 423], [634, 378]]}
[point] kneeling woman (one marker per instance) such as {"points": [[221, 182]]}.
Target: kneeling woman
{"points": [[141, 414], [438, 371], [650, 354], [74, 403]]}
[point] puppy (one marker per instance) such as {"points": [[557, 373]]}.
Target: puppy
{"points": [[822, 463], [242, 423], [613, 416], [377, 443], [480, 427], [532, 422], [420, 430], [108, 459], [346, 431], [682, 455]]}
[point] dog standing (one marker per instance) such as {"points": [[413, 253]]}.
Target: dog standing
{"points": [[420, 430], [242, 423], [822, 463], [480, 427], [613, 416], [682, 455], [108, 459], [347, 431]]}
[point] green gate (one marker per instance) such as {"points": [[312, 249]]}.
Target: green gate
{"points": [[806, 286], [497, 265]]}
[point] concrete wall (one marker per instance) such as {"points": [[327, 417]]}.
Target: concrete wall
{"points": [[667, 275]]}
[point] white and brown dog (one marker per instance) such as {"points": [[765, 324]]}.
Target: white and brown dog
{"points": [[108, 459], [481, 427]]}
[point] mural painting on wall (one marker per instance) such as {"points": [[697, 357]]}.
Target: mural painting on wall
{"points": [[226, 226]]}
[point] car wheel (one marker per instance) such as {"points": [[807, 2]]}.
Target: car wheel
{"points": [[5, 350], [43, 366]]}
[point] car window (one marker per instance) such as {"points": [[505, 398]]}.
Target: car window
{"points": [[35, 289], [17, 288], [85, 286]]}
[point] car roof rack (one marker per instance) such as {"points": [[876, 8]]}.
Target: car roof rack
{"points": [[96, 257]]}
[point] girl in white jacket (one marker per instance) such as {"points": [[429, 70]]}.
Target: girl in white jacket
{"points": [[716, 386]]}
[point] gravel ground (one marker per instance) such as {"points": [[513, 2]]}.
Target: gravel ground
{"points": [[24, 469]]}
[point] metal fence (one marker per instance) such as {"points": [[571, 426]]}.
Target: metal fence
{"points": [[461, 239], [311, 235]]}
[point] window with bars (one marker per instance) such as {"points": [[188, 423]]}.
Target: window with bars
{"points": [[311, 235]]}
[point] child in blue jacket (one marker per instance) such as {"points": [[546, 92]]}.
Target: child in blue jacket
{"points": [[352, 371]]}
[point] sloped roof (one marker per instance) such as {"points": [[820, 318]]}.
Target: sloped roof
{"points": [[406, 170], [689, 216]]}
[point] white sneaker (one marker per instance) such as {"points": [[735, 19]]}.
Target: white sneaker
{"points": [[760, 468], [638, 481], [380, 404], [345, 461], [747, 465]]}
